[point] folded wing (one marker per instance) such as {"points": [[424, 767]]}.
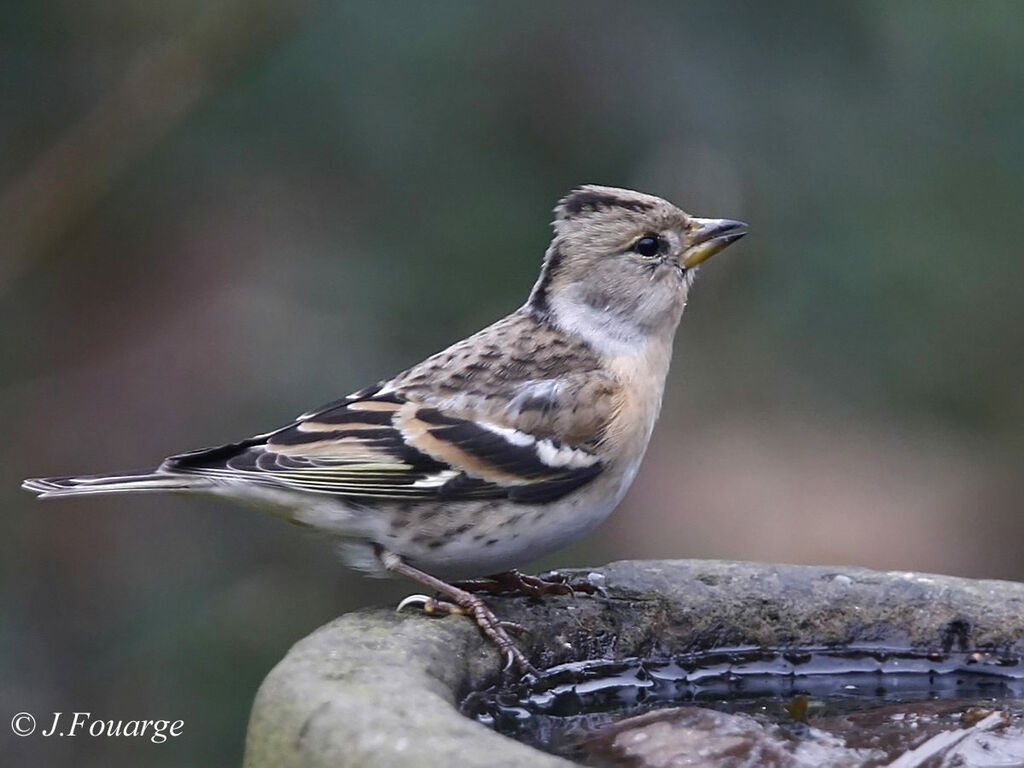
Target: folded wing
{"points": [[382, 446]]}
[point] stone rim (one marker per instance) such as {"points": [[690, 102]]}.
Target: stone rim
{"points": [[375, 687]]}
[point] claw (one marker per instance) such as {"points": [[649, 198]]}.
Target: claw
{"points": [[511, 626], [431, 606], [513, 657], [554, 577], [421, 600], [596, 581]]}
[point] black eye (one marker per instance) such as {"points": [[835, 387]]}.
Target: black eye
{"points": [[648, 246]]}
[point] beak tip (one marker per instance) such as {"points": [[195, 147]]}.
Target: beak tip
{"points": [[716, 229], [710, 236]]}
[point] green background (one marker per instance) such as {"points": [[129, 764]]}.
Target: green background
{"points": [[215, 215]]}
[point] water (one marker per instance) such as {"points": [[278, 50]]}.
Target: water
{"points": [[870, 703]]}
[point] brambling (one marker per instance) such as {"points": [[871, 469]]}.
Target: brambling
{"points": [[501, 448]]}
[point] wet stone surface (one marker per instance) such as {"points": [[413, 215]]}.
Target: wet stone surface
{"points": [[378, 688], [750, 707], [924, 734]]}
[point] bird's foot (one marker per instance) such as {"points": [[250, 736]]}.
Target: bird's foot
{"points": [[459, 601], [550, 583], [496, 630]]}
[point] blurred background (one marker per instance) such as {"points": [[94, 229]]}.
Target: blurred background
{"points": [[215, 214]]}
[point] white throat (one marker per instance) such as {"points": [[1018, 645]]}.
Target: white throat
{"points": [[607, 331]]}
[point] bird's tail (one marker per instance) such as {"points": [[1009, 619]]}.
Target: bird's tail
{"points": [[133, 482]]}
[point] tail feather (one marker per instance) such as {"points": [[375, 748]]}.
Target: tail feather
{"points": [[130, 482]]}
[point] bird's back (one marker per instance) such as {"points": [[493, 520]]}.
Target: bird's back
{"points": [[521, 372]]}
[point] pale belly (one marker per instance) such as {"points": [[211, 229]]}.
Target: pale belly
{"points": [[487, 538], [538, 532], [450, 540]]}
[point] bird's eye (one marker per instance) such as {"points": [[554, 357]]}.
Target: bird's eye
{"points": [[648, 246]]}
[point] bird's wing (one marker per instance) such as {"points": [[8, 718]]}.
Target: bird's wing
{"points": [[379, 445]]}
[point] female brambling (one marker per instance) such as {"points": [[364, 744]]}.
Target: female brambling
{"points": [[501, 448]]}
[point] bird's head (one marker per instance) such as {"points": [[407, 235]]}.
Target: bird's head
{"points": [[621, 263]]}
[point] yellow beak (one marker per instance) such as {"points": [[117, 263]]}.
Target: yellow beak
{"points": [[706, 237]]}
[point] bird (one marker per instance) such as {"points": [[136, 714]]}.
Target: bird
{"points": [[500, 449]]}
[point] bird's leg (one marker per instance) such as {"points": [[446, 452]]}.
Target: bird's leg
{"points": [[462, 602], [551, 583], [488, 584]]}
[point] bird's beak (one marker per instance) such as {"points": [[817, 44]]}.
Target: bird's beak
{"points": [[706, 237]]}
